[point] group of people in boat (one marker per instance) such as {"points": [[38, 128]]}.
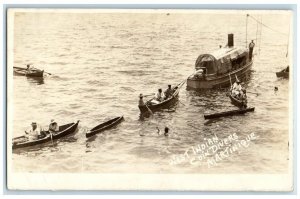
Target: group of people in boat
{"points": [[160, 96], [36, 131], [238, 91]]}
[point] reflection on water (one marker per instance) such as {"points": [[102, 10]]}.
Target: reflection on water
{"points": [[36, 80], [100, 64]]}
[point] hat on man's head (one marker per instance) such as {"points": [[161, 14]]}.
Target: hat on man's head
{"points": [[141, 95], [52, 121], [33, 123]]}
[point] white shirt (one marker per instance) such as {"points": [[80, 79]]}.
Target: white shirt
{"points": [[160, 96], [236, 87], [33, 134]]}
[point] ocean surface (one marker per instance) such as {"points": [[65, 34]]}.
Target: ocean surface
{"points": [[101, 62]]}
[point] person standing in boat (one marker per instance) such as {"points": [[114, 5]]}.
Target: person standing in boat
{"points": [[53, 127], [141, 101], [251, 47], [168, 92], [34, 133], [160, 95], [28, 70]]}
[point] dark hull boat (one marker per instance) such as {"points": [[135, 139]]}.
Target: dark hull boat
{"points": [[284, 73], [64, 130], [215, 70], [228, 113], [164, 104], [104, 126], [237, 102], [31, 73]]}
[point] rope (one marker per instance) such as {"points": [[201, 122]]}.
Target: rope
{"points": [[267, 26]]}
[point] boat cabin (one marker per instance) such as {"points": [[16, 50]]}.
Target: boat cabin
{"points": [[222, 61]]}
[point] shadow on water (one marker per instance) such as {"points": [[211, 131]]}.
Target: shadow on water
{"points": [[36, 80]]}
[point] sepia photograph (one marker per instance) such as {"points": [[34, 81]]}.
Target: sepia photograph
{"points": [[150, 99]]}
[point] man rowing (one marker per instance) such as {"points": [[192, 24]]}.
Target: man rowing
{"points": [[168, 92], [53, 127], [34, 133]]}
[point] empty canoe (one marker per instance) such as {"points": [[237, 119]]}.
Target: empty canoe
{"points": [[228, 113], [104, 126]]}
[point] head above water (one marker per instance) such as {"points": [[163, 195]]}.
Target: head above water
{"points": [[160, 90], [166, 130], [169, 86], [141, 95]]}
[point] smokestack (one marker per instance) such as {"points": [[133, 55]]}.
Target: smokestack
{"points": [[230, 40]]}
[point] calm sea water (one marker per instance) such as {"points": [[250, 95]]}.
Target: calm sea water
{"points": [[100, 63]]}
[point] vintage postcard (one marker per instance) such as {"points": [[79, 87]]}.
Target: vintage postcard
{"points": [[187, 100]]}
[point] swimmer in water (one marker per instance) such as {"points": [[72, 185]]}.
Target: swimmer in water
{"points": [[166, 131]]}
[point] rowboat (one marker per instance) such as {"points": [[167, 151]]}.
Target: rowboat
{"points": [[104, 126], [237, 102], [32, 73], [64, 130], [164, 104], [228, 113], [283, 73]]}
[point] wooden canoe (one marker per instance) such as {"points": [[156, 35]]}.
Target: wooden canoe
{"points": [[32, 73], [283, 73], [237, 102], [164, 104], [104, 126], [228, 113], [64, 130]]}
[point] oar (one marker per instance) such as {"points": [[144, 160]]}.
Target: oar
{"points": [[193, 126], [181, 103], [149, 95], [149, 109], [257, 94], [230, 79], [47, 73], [51, 136]]}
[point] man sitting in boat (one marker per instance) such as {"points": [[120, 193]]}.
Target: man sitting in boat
{"points": [[236, 88], [168, 92], [160, 95], [34, 133], [141, 101], [244, 95], [53, 127]]}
